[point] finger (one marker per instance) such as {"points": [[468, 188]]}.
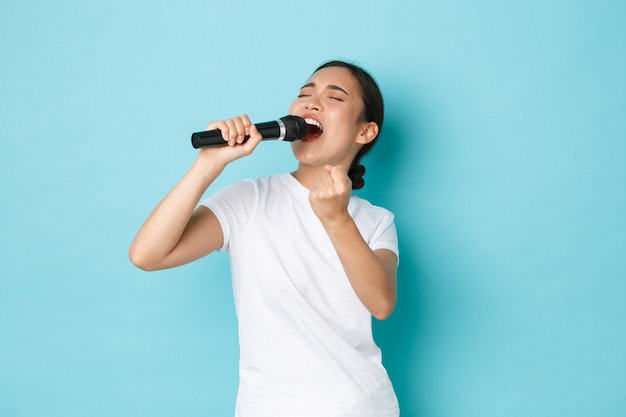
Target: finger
{"points": [[214, 125], [253, 140], [325, 179], [253, 133], [337, 172], [229, 133], [246, 123], [218, 125], [340, 177], [240, 129]]}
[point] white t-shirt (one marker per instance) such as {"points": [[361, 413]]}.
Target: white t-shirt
{"points": [[306, 345]]}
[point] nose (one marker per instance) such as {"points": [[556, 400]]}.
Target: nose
{"points": [[312, 104]]}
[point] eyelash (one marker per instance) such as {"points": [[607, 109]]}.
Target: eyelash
{"points": [[330, 97]]}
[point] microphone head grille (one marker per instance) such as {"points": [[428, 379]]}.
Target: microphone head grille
{"points": [[295, 127]]}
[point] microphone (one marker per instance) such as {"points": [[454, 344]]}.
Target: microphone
{"points": [[288, 128]]}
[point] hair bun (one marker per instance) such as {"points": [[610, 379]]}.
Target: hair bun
{"points": [[356, 173]]}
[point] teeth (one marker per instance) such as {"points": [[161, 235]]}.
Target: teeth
{"points": [[314, 123]]}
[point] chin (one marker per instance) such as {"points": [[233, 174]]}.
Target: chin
{"points": [[303, 155]]}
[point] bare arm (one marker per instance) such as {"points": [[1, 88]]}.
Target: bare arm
{"points": [[372, 274], [174, 233]]}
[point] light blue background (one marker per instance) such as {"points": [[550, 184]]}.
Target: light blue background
{"points": [[503, 157]]}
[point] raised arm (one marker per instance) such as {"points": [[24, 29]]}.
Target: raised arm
{"points": [[176, 233], [372, 274]]}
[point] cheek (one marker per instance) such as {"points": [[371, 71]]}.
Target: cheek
{"points": [[294, 106], [346, 118]]}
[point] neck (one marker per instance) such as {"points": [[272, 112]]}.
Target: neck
{"points": [[308, 175]]}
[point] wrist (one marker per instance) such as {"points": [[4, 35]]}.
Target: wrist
{"points": [[206, 169], [338, 223]]}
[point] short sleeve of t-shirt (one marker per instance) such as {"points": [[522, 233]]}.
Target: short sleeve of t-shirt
{"points": [[233, 207], [376, 225]]}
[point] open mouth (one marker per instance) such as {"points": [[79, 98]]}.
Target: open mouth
{"points": [[313, 131]]}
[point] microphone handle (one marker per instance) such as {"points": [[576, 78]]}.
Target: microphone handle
{"points": [[268, 130]]}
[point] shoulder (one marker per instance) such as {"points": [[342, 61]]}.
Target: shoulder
{"points": [[247, 190], [370, 219], [376, 224], [246, 186], [361, 208]]}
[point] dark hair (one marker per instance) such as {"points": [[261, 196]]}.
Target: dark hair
{"points": [[373, 111]]}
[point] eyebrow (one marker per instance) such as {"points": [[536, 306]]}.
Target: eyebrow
{"points": [[330, 87]]}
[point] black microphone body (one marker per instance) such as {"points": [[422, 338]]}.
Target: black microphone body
{"points": [[288, 128]]}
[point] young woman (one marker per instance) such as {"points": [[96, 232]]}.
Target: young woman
{"points": [[311, 264]]}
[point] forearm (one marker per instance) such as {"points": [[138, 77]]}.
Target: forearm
{"points": [[372, 278], [162, 230]]}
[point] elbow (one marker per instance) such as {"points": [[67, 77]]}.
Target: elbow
{"points": [[382, 315], [384, 310], [140, 260]]}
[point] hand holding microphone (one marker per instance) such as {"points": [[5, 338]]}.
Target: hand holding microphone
{"points": [[288, 128]]}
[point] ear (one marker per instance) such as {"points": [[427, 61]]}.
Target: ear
{"points": [[368, 133]]}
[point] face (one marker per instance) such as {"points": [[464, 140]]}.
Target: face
{"points": [[330, 101]]}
